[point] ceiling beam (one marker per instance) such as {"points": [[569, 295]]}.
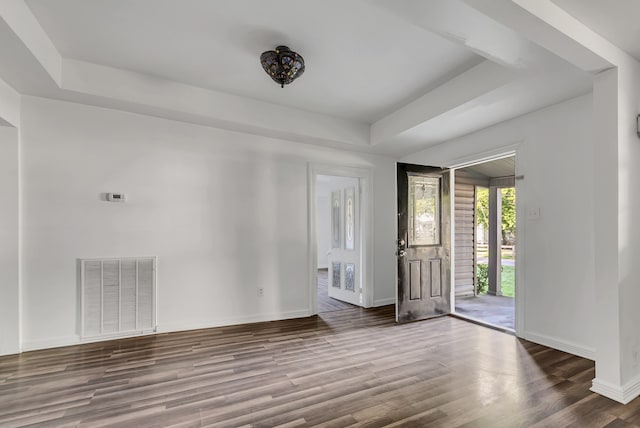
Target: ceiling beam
{"points": [[551, 27], [518, 76], [212, 107], [472, 28], [9, 105], [478, 81], [19, 18], [517, 97]]}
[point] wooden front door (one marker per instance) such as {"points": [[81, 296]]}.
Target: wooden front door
{"points": [[424, 242]]}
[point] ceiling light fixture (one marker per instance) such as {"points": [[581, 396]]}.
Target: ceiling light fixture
{"points": [[283, 65]]}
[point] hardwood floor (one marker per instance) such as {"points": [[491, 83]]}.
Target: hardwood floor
{"points": [[352, 367], [326, 303]]}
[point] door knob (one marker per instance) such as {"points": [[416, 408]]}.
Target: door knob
{"points": [[401, 253]]}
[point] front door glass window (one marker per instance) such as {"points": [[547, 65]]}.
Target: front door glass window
{"points": [[424, 210]]}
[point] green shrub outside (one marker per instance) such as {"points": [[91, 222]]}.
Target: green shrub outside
{"points": [[508, 279], [482, 275]]}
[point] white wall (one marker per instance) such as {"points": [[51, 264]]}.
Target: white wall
{"points": [[224, 212], [9, 246], [556, 261]]}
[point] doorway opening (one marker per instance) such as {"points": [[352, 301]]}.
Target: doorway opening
{"points": [[485, 242], [336, 241], [339, 226]]}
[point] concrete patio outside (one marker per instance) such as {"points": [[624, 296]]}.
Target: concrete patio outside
{"points": [[495, 310]]}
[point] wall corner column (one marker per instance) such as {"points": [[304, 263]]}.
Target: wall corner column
{"points": [[9, 242]]}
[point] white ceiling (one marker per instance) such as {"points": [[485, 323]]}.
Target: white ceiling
{"points": [[383, 76], [362, 62], [616, 20]]}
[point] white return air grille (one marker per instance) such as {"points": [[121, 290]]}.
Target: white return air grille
{"points": [[118, 296]]}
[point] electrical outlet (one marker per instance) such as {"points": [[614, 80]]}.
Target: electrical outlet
{"points": [[260, 292], [533, 213]]}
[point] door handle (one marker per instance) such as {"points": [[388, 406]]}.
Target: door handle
{"points": [[401, 253]]}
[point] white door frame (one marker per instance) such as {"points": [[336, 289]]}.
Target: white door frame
{"points": [[478, 158], [366, 228]]}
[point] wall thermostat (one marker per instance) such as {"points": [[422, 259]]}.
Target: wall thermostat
{"points": [[116, 197]]}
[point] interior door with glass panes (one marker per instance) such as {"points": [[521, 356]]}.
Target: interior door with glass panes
{"points": [[424, 242], [344, 255]]}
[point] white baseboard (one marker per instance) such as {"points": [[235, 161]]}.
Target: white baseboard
{"points": [[56, 342], [164, 328], [622, 394], [561, 345], [384, 302], [77, 340], [197, 325], [12, 348]]}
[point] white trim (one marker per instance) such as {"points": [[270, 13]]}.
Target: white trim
{"points": [[50, 343], [167, 328], [562, 345], [21, 310], [488, 156], [384, 302], [396, 234], [154, 295], [60, 342], [521, 233], [452, 241], [111, 258], [111, 336], [483, 157], [366, 214], [622, 394], [312, 241], [248, 319]]}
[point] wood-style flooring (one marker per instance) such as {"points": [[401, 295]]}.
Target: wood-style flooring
{"points": [[353, 367], [326, 303]]}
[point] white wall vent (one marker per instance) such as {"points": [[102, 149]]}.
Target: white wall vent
{"points": [[118, 296]]}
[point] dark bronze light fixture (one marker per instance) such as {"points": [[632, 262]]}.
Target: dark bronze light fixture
{"points": [[283, 65]]}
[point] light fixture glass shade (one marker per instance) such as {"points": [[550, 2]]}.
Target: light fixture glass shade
{"points": [[283, 65]]}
